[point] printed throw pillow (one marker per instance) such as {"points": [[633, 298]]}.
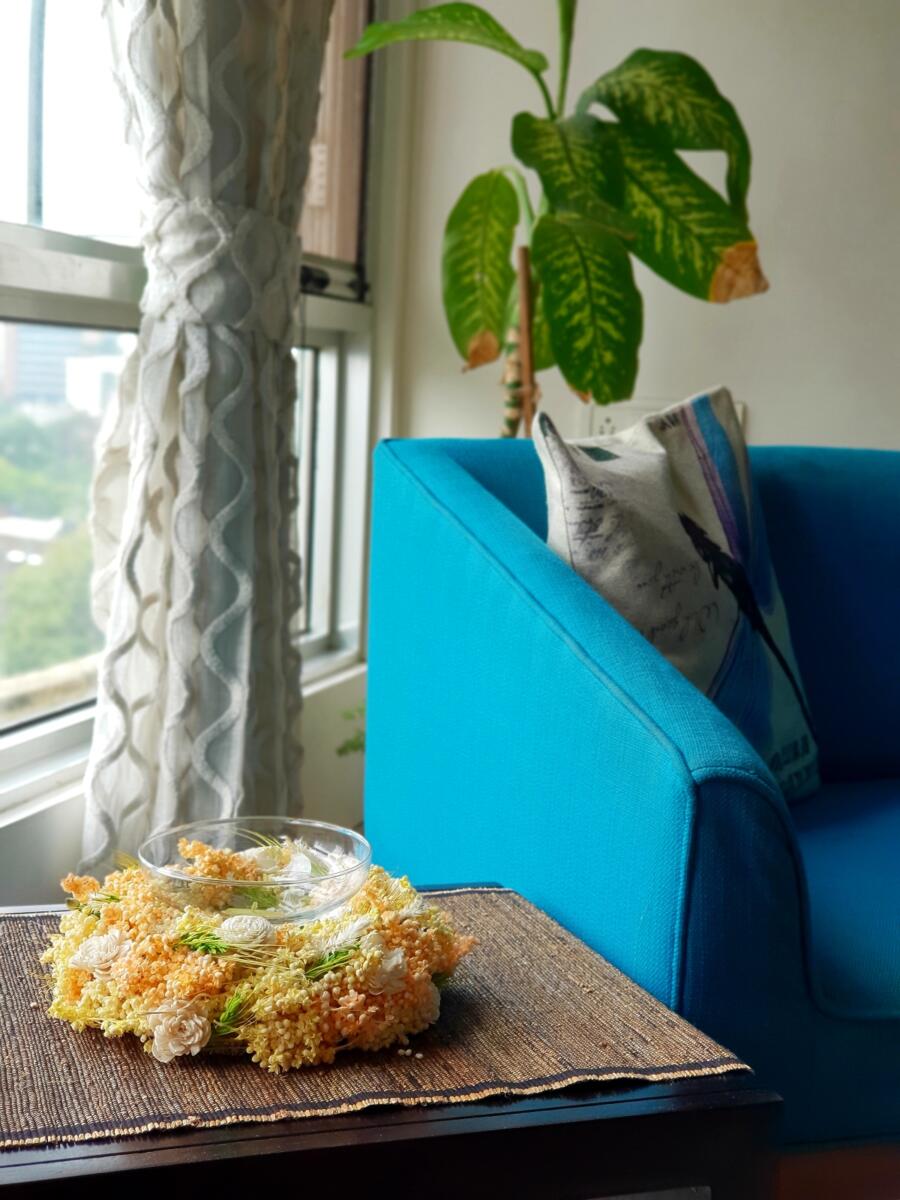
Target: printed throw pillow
{"points": [[662, 521]]}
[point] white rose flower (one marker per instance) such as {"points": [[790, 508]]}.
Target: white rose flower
{"points": [[339, 861], [299, 867], [98, 954], [389, 977], [433, 1009], [295, 899], [372, 942], [246, 931], [178, 1027], [344, 885], [267, 858]]}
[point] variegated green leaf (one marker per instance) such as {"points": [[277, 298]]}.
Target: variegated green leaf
{"points": [[673, 99], [448, 23], [542, 356], [579, 163], [685, 231], [593, 308], [541, 350], [477, 275]]}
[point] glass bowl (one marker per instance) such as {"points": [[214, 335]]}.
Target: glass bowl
{"points": [[297, 870]]}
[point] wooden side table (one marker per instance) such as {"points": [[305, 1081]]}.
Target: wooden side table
{"points": [[705, 1138]]}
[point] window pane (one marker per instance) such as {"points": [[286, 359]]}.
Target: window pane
{"points": [[15, 22], [65, 162], [304, 434], [55, 384], [333, 199], [89, 176], [316, 431]]}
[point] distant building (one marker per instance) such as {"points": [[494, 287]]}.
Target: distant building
{"points": [[38, 367]]}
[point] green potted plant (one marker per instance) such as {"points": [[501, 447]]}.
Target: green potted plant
{"points": [[610, 184]]}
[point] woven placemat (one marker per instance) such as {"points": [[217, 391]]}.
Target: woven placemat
{"points": [[531, 1009]]}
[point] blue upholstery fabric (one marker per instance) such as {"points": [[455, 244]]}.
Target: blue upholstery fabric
{"points": [[834, 534], [520, 730], [850, 844]]}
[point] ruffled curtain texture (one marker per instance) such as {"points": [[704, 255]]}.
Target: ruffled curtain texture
{"points": [[196, 581]]}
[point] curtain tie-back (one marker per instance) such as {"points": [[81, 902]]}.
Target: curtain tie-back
{"points": [[220, 264]]}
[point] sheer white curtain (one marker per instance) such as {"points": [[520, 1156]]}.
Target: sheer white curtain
{"points": [[196, 581]]}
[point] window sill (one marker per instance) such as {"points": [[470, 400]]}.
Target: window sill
{"points": [[48, 797], [43, 763]]}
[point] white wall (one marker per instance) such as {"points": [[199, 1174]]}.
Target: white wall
{"points": [[816, 359]]}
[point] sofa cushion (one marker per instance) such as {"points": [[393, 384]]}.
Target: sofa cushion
{"points": [[849, 838], [662, 521]]}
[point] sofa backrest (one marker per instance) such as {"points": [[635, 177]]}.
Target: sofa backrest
{"points": [[833, 520]]}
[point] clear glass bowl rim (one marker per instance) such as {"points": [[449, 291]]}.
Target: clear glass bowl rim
{"points": [[196, 826]]}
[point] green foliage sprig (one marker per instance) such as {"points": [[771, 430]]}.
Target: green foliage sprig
{"points": [[236, 1012], [92, 905], [329, 962], [610, 187], [356, 742], [205, 941], [258, 897]]}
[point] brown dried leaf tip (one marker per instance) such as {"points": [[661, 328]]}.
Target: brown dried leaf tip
{"points": [[738, 274], [483, 348]]}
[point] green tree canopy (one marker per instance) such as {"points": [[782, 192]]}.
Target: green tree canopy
{"points": [[45, 615]]}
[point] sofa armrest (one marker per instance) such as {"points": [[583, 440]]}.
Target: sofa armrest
{"points": [[520, 730]]}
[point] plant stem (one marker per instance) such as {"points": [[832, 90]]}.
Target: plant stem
{"points": [[526, 384], [566, 29], [548, 100], [518, 182]]}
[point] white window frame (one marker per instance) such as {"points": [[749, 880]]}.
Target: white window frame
{"points": [[341, 334], [58, 278]]}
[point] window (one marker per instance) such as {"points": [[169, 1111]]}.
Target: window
{"points": [[55, 384], [71, 277]]}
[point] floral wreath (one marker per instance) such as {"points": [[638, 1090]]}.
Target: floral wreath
{"points": [[129, 958]]}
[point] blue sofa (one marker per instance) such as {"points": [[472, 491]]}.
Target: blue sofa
{"points": [[519, 730]]}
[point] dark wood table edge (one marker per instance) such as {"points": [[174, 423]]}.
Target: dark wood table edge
{"points": [[384, 1124]]}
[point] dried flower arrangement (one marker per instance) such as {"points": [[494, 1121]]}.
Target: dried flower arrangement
{"points": [[129, 959]]}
